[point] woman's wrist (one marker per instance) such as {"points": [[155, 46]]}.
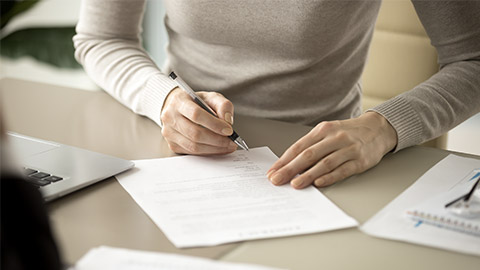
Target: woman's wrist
{"points": [[386, 133]]}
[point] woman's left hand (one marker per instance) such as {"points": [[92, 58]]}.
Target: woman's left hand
{"points": [[333, 151]]}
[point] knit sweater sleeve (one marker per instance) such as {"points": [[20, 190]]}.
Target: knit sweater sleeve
{"points": [[108, 45], [452, 94]]}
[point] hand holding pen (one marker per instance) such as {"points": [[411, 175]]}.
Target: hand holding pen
{"points": [[191, 129]]}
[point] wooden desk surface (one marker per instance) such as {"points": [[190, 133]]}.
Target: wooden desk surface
{"points": [[104, 214]]}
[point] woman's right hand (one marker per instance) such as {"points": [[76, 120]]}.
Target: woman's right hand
{"points": [[189, 129]]}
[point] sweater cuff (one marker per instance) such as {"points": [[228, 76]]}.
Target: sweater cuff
{"points": [[404, 120], [153, 97]]}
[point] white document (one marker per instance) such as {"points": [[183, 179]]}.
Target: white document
{"points": [[205, 201], [108, 258], [434, 212], [392, 222]]}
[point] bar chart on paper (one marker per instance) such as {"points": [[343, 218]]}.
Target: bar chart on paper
{"points": [[450, 178]]}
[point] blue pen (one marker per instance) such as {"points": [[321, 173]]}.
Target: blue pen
{"points": [[184, 86]]}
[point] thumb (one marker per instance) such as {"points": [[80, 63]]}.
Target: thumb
{"points": [[221, 105]]}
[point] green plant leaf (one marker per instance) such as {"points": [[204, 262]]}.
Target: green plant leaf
{"points": [[51, 45], [10, 9]]}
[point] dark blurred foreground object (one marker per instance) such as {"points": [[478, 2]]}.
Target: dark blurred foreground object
{"points": [[26, 238]]}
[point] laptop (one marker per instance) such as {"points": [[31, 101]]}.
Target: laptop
{"points": [[58, 169]]}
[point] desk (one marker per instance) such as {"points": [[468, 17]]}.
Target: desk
{"points": [[104, 214]]}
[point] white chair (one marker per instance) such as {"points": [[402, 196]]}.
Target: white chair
{"points": [[400, 56]]}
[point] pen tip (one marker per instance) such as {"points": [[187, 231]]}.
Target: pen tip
{"points": [[240, 142]]}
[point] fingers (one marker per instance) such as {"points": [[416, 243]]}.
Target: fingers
{"points": [[201, 135], [199, 116], [328, 170], [222, 106], [315, 135], [305, 159], [183, 145], [189, 129], [333, 151], [345, 170]]}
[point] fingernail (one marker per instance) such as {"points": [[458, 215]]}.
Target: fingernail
{"points": [[229, 118], [297, 183], [319, 182], [227, 131], [276, 179], [270, 172]]}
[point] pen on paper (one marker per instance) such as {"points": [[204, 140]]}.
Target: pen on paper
{"points": [[184, 86], [465, 197]]}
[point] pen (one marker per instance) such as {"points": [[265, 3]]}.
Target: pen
{"points": [[465, 197], [184, 86]]}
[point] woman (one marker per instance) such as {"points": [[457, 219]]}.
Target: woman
{"points": [[297, 61]]}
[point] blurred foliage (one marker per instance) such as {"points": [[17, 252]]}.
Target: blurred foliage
{"points": [[11, 8], [52, 45]]}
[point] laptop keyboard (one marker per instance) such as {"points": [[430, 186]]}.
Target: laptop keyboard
{"points": [[39, 178]]}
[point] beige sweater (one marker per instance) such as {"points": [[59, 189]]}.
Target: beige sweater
{"points": [[290, 60]]}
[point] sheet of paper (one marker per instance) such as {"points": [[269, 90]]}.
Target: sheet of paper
{"points": [[434, 212], [205, 201], [108, 258], [392, 223]]}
